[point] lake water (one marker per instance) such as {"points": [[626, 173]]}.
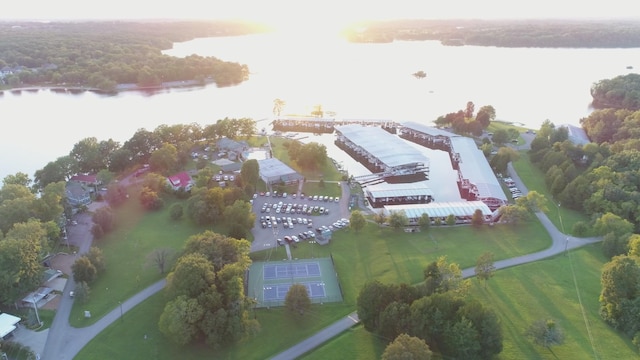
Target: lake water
{"points": [[356, 81]]}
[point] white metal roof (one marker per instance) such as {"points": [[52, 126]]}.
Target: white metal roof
{"points": [[428, 129], [388, 148], [475, 167], [395, 190], [273, 167], [7, 324], [441, 209]]}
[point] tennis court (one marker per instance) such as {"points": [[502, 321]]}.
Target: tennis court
{"points": [[269, 282], [296, 270]]}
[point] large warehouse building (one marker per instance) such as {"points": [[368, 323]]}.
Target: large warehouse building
{"points": [[384, 154], [476, 180], [274, 171]]}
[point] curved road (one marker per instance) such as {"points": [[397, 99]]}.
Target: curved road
{"points": [[64, 342]]}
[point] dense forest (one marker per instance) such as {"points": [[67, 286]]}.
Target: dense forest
{"points": [[103, 55], [621, 92], [505, 33]]}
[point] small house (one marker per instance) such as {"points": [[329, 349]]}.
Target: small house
{"points": [[180, 180]]}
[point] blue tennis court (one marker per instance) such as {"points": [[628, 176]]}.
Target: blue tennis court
{"points": [[279, 291], [291, 270]]}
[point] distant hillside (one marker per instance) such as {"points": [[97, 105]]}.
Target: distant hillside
{"points": [[505, 33]]}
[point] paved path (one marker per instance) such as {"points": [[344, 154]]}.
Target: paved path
{"points": [[319, 338]]}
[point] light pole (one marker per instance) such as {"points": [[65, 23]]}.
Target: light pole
{"points": [[35, 306]]}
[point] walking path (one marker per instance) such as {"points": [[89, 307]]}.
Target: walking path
{"points": [[64, 342]]}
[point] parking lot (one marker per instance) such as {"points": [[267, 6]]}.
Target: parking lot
{"points": [[294, 217]]}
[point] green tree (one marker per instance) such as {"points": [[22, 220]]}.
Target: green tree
{"points": [[406, 347], [451, 220], [612, 223], [513, 213], [357, 221], [619, 298], [18, 178], [485, 268], [20, 269], [180, 319], [176, 211], [380, 217], [477, 218], [297, 300], [424, 221], [150, 199], [193, 275], [165, 159], [441, 276], [241, 216], [83, 270], [219, 249], [96, 257], [500, 137], [372, 300], [250, 172], [398, 219], [545, 333]]}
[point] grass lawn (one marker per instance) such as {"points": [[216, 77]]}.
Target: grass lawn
{"points": [[374, 253], [533, 178], [521, 295], [137, 234], [328, 172]]}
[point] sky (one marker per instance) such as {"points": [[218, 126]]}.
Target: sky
{"points": [[293, 12]]}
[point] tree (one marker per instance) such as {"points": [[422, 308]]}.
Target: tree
{"points": [[83, 270], [357, 221], [477, 218], [380, 217], [297, 300], [278, 106], [150, 199], [116, 195], [104, 217], [451, 220], [20, 269], [619, 298], [176, 211], [398, 219], [193, 275], [485, 268], [18, 178], [500, 137], [241, 217], [180, 318], [165, 159], [612, 223], [161, 258], [250, 172], [513, 213], [545, 333], [406, 347], [424, 221], [372, 300], [440, 276], [96, 258]]}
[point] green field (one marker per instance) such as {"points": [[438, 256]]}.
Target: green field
{"points": [[374, 253], [553, 288]]}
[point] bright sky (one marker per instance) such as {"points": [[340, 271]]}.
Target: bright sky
{"points": [[334, 12]]}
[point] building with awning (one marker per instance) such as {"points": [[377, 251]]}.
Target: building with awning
{"points": [[8, 323], [462, 210], [395, 194]]}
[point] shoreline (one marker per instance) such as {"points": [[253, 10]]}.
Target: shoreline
{"points": [[119, 88]]}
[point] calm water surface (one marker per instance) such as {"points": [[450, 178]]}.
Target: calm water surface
{"points": [[363, 81]]}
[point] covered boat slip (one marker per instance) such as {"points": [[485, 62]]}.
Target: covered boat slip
{"points": [[383, 194], [463, 211], [384, 151]]}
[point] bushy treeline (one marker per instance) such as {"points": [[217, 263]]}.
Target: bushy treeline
{"points": [[105, 54], [507, 33]]}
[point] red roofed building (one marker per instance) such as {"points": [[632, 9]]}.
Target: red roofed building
{"points": [[85, 179], [180, 181]]}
